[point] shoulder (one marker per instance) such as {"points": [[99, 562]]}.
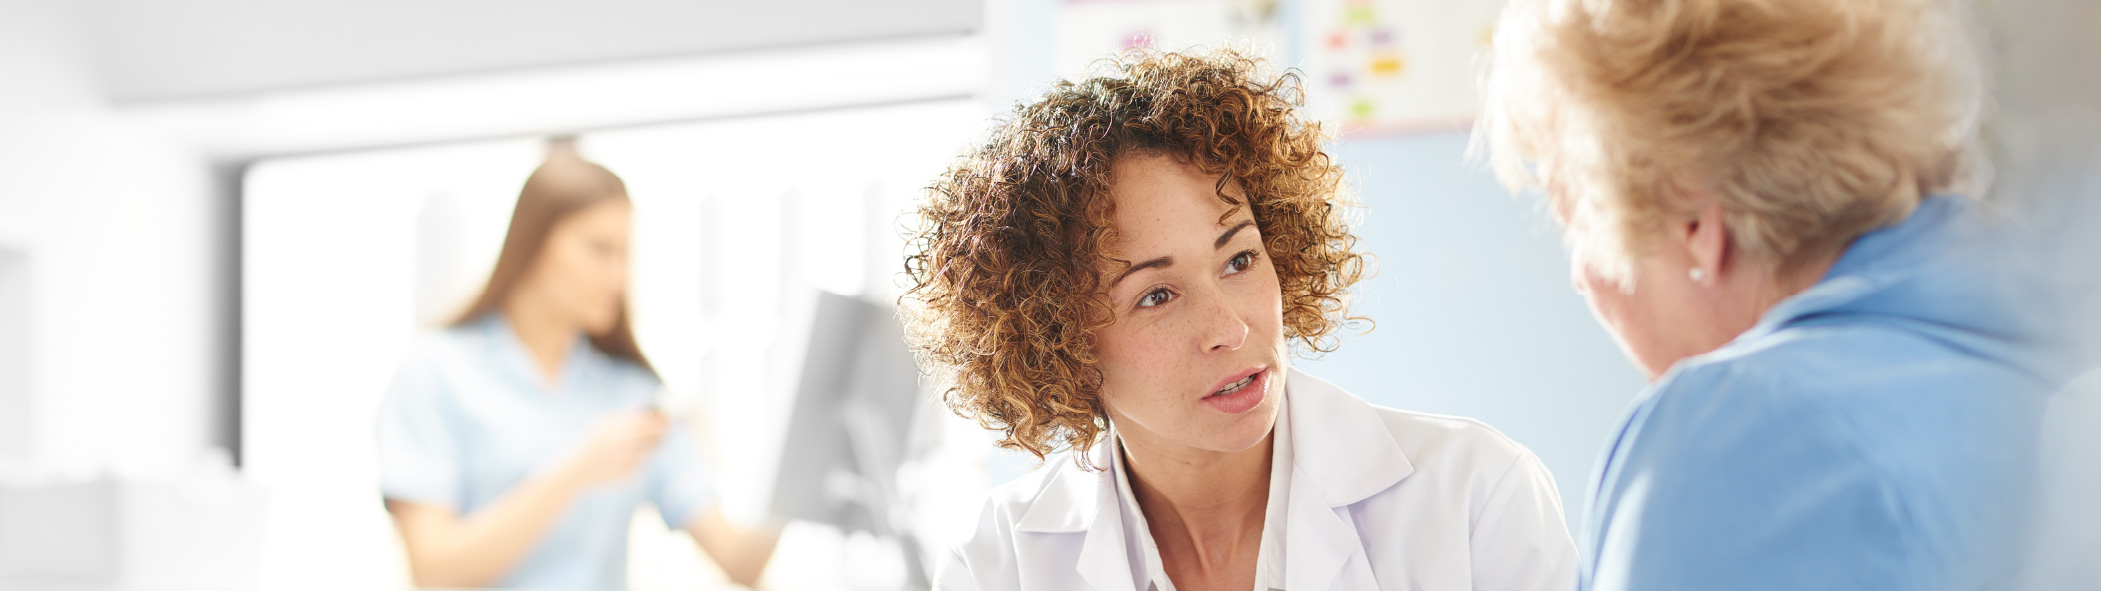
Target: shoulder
{"points": [[1060, 481], [1795, 382], [1707, 417], [1482, 469], [1865, 387], [1047, 500], [624, 376], [1868, 437], [450, 345], [1836, 364], [635, 375], [1015, 497], [1723, 466], [1431, 442], [1411, 457], [432, 357], [1450, 495], [1428, 437], [1742, 433]]}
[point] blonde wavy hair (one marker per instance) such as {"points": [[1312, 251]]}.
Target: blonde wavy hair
{"points": [[1810, 121], [1007, 258]]}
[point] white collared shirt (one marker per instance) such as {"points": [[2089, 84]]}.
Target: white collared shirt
{"points": [[1269, 560], [1375, 498]]}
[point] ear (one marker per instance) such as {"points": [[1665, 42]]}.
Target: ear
{"points": [[1706, 240]]}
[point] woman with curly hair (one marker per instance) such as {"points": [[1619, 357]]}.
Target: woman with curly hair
{"points": [[1118, 275]]}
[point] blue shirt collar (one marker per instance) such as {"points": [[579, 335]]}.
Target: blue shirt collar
{"points": [[1950, 270], [516, 362]]}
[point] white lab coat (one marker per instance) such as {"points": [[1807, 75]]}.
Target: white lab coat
{"points": [[1379, 499]]}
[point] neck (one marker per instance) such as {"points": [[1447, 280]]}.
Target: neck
{"points": [[1746, 296], [1778, 285], [1805, 276], [544, 335], [1203, 506]]}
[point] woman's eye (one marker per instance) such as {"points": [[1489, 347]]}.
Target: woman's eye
{"points": [[1240, 262], [1155, 298]]}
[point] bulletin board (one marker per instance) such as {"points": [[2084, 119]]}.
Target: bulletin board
{"points": [[1395, 66], [1089, 30], [1370, 67]]}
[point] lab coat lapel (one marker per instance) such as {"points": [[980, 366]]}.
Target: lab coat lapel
{"points": [[1082, 504], [1341, 454]]}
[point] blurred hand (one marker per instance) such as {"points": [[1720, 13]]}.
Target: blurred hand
{"points": [[614, 447]]}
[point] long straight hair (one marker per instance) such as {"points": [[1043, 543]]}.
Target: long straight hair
{"points": [[560, 187]]}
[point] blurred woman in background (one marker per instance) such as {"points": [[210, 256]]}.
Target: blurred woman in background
{"points": [[1846, 368], [516, 446]]}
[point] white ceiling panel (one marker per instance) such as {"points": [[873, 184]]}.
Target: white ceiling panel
{"points": [[156, 50]]}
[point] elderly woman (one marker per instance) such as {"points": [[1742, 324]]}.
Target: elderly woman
{"points": [[1844, 373], [1120, 272]]}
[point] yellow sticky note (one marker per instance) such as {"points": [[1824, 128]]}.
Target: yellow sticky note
{"points": [[1388, 65]]}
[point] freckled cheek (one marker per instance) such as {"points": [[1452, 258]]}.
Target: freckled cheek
{"points": [[1140, 364], [1263, 306]]}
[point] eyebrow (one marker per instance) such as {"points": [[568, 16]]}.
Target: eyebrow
{"points": [[1164, 262], [1228, 236]]}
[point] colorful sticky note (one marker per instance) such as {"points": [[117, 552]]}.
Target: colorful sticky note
{"points": [[1138, 40], [1359, 15], [1338, 40], [1388, 64]]}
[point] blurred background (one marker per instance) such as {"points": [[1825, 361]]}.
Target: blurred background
{"points": [[222, 222]]}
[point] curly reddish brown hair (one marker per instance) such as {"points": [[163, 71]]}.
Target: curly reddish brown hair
{"points": [[1007, 282]]}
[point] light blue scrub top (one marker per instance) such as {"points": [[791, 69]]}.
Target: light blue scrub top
{"points": [[1876, 431], [469, 416]]}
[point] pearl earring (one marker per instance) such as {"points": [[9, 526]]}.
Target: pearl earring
{"points": [[1698, 275]]}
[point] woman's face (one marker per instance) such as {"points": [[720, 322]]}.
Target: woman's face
{"points": [[1194, 357], [582, 269]]}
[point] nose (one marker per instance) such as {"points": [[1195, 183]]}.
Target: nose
{"points": [[1227, 331]]}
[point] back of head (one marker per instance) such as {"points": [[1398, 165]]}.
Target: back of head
{"points": [[1811, 121]]}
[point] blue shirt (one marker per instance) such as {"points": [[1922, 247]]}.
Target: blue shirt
{"points": [[469, 416], [1875, 431]]}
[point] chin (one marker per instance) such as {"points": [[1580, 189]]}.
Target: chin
{"points": [[1247, 430], [599, 328]]}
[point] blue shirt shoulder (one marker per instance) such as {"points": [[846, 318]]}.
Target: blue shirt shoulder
{"points": [[1873, 432], [469, 416]]}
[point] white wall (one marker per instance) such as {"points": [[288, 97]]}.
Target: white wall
{"points": [[119, 233], [15, 405]]}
